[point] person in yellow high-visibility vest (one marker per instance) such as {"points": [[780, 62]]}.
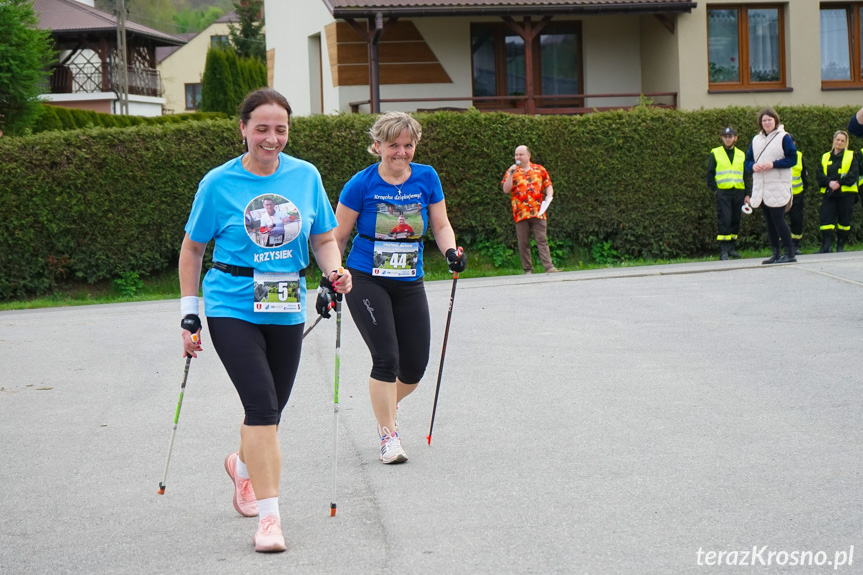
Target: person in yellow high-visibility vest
{"points": [[837, 178], [799, 185], [725, 176]]}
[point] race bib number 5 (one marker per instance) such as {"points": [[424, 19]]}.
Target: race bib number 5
{"points": [[276, 292]]}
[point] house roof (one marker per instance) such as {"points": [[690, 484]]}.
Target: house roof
{"points": [[230, 17], [416, 8], [67, 17], [163, 52]]}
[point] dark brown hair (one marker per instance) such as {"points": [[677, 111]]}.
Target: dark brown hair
{"points": [[768, 111], [258, 98]]}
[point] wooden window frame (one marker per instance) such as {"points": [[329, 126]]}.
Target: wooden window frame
{"points": [[853, 14], [196, 92], [500, 30], [743, 50]]}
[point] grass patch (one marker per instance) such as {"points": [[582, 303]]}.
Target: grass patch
{"points": [[483, 261]]}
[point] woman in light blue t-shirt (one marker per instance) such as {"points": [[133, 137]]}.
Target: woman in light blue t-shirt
{"points": [[392, 203], [263, 210]]}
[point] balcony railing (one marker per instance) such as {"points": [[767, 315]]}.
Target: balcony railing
{"points": [[93, 78], [557, 104]]}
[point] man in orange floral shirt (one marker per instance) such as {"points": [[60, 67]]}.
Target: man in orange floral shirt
{"points": [[526, 182]]}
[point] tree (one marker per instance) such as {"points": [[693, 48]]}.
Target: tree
{"points": [[248, 39], [196, 20], [228, 79], [156, 14], [217, 84], [237, 88], [25, 54]]}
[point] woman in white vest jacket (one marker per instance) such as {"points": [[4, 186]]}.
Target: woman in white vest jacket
{"points": [[770, 158]]}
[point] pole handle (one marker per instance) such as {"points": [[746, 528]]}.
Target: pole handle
{"points": [[195, 339]]}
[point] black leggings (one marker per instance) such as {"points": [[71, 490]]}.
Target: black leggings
{"points": [[796, 216], [776, 227], [393, 318], [262, 362]]}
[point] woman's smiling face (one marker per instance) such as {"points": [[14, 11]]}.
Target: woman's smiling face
{"points": [[266, 135], [398, 154]]}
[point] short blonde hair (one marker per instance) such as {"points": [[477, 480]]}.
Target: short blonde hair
{"points": [[390, 126]]}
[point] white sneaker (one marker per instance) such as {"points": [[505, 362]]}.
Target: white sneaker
{"points": [[391, 447]]}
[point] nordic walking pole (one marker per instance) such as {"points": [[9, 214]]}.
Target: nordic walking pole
{"points": [[443, 350], [336, 395], [177, 418], [317, 321]]}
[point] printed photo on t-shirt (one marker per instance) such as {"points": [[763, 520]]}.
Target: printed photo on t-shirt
{"points": [[399, 222], [272, 220]]}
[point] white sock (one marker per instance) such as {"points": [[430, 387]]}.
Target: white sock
{"points": [[268, 506], [242, 470]]}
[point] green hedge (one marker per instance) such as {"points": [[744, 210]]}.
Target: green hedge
{"points": [[94, 203], [60, 118]]}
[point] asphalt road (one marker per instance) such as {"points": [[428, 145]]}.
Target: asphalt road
{"points": [[639, 420]]}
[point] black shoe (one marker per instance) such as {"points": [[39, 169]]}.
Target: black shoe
{"points": [[773, 259], [786, 259], [797, 251], [733, 253], [840, 248], [723, 256]]}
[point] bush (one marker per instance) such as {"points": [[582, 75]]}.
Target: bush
{"points": [[59, 118], [97, 203]]}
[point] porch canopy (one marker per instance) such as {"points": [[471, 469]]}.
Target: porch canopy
{"points": [[87, 40], [375, 11]]}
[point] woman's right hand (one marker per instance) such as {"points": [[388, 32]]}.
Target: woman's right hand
{"points": [[191, 334], [190, 345]]}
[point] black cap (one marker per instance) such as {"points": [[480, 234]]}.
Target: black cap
{"points": [[727, 131]]}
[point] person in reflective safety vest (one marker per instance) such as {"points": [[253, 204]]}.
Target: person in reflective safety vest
{"points": [[725, 176]]}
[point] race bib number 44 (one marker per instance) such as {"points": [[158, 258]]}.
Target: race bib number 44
{"points": [[395, 259], [276, 292]]}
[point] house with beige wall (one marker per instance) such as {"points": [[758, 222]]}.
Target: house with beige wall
{"points": [[182, 68], [559, 56]]}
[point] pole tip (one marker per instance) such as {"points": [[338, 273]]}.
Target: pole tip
{"points": [[332, 509], [428, 437], [161, 491]]}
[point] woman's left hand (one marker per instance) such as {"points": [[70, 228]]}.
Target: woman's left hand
{"points": [[342, 283]]}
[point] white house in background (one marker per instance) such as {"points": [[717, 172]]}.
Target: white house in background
{"points": [[183, 67], [564, 56], [85, 74], [546, 56]]}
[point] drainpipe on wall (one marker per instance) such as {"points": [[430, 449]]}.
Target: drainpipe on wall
{"points": [[374, 70]]}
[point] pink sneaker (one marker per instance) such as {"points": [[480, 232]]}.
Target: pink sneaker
{"points": [[244, 496], [269, 538]]}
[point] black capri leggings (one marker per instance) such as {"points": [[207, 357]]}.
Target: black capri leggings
{"points": [[393, 318], [262, 362]]}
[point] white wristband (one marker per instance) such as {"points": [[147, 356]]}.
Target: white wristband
{"points": [[189, 305]]}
